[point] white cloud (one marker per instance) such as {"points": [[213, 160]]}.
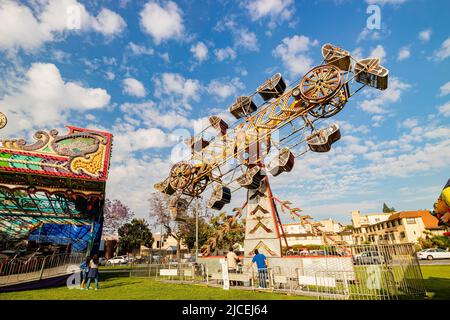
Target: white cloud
{"points": [[373, 34], [162, 22], [378, 100], [53, 19], [176, 87], [444, 89], [354, 145], [165, 56], [225, 88], [108, 23], [140, 139], [246, 39], [140, 50], [43, 99], [431, 156], [276, 10], [346, 176], [110, 75], [403, 53], [378, 52], [342, 209], [242, 37], [133, 87], [132, 181], [445, 109], [368, 34], [425, 35], [348, 127], [383, 2], [200, 51], [444, 51], [409, 123], [147, 113], [293, 52], [61, 56], [357, 53], [225, 53]]}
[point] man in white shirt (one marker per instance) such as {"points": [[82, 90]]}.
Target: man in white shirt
{"points": [[232, 260]]}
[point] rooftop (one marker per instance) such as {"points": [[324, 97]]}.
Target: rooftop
{"points": [[429, 221]]}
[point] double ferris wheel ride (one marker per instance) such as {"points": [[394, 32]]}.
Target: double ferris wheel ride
{"points": [[267, 138]]}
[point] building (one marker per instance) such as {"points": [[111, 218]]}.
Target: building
{"points": [[330, 226], [168, 242], [108, 246], [359, 220], [320, 233], [398, 227]]}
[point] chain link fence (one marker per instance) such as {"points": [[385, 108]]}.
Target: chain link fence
{"points": [[185, 272], [357, 272]]}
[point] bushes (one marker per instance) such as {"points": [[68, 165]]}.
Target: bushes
{"points": [[432, 241]]}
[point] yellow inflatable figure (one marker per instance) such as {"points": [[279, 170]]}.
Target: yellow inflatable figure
{"points": [[442, 206]]}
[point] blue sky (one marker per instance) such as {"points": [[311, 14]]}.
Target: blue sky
{"points": [[144, 70]]}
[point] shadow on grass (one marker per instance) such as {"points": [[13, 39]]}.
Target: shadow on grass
{"points": [[438, 287], [107, 276], [107, 285]]}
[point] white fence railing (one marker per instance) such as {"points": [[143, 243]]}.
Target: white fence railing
{"points": [[19, 270]]}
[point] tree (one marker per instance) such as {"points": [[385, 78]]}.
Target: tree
{"points": [[6, 241], [182, 232], [115, 214], [134, 234], [433, 241], [187, 232], [159, 213], [226, 231], [386, 209]]}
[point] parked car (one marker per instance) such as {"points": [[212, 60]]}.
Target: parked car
{"points": [[317, 253], [368, 257], [102, 261], [435, 253], [156, 259], [117, 261], [292, 252]]}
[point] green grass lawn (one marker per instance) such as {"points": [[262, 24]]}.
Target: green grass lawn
{"points": [[115, 286], [437, 281]]}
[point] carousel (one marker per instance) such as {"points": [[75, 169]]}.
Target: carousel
{"points": [[52, 191]]}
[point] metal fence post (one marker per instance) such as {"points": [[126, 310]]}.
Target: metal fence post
{"points": [[42, 268]]}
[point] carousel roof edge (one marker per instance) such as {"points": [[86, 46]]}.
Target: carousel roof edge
{"points": [[80, 153]]}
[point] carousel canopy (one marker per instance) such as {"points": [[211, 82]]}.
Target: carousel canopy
{"points": [[54, 188]]}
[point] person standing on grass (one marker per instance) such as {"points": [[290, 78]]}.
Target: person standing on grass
{"points": [[84, 266], [93, 272], [261, 263], [232, 260]]}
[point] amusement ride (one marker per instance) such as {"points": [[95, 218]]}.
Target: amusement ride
{"points": [[266, 139]]}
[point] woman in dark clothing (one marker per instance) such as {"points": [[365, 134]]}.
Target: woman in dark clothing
{"points": [[93, 272], [84, 266]]}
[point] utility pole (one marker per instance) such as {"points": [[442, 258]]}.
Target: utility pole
{"points": [[196, 231], [160, 243]]}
